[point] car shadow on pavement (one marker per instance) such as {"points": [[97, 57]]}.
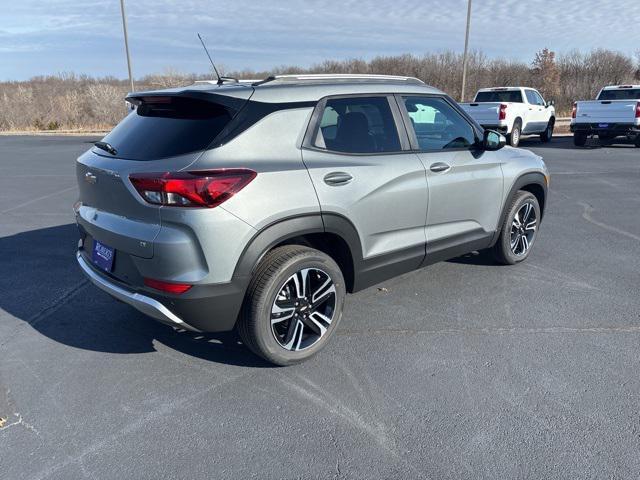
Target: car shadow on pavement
{"points": [[482, 258], [566, 143], [43, 286]]}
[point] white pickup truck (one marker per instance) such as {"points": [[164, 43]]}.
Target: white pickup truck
{"points": [[614, 113], [513, 111]]}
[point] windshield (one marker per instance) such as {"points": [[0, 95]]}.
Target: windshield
{"points": [[620, 94], [514, 96], [167, 126]]}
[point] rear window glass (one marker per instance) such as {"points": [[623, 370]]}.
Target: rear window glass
{"points": [[167, 126], [620, 94], [514, 96]]}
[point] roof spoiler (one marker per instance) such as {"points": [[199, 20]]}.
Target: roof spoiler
{"points": [[229, 101]]}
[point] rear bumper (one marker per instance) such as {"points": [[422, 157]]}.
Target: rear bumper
{"points": [[204, 308], [617, 129], [146, 305], [504, 129]]}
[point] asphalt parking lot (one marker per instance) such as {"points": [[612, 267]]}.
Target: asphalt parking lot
{"points": [[464, 369]]}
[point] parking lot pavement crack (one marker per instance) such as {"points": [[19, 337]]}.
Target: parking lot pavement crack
{"points": [[493, 331], [14, 420], [552, 275], [59, 302], [376, 430], [586, 214], [44, 197], [50, 309], [136, 424], [19, 422]]}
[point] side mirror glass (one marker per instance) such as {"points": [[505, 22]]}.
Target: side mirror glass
{"points": [[493, 140]]}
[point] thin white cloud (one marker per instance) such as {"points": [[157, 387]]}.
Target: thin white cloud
{"points": [[70, 34]]}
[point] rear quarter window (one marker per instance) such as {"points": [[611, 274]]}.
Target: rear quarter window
{"points": [[168, 126]]}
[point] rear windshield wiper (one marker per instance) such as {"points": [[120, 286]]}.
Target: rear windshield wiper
{"points": [[106, 147]]}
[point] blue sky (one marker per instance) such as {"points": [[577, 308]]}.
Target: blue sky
{"points": [[50, 36]]}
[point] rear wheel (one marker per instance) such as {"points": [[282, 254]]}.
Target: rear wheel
{"points": [[548, 133], [519, 229], [293, 305], [637, 142], [516, 132], [579, 139]]}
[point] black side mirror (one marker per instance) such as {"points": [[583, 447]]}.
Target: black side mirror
{"points": [[493, 140]]}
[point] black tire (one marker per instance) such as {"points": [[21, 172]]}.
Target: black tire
{"points": [[513, 138], [637, 142], [503, 250], [272, 277], [548, 133], [579, 139], [605, 136]]}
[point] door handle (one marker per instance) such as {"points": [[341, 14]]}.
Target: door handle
{"points": [[337, 178], [440, 167]]}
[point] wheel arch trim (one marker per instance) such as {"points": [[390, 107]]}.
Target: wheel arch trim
{"points": [[273, 234], [289, 228], [531, 178]]}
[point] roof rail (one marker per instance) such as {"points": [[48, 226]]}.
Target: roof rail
{"points": [[337, 77]]}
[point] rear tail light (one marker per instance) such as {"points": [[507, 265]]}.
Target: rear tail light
{"points": [[503, 112], [574, 111], [191, 189], [176, 288], [638, 110]]}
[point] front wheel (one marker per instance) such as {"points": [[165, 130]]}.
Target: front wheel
{"points": [[519, 229], [293, 305]]}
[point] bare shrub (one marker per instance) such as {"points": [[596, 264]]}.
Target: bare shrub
{"points": [[70, 101]]}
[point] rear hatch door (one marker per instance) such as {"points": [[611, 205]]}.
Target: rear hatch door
{"points": [[167, 131]]}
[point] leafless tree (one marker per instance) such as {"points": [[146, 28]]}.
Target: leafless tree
{"points": [[71, 101]]}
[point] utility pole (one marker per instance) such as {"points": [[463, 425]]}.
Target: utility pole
{"points": [[126, 44], [466, 50]]}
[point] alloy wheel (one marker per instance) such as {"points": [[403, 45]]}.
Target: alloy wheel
{"points": [[523, 229], [303, 309], [515, 136]]}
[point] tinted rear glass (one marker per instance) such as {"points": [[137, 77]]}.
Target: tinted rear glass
{"points": [[504, 96], [621, 94], [167, 126]]}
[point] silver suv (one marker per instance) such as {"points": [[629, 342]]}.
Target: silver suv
{"points": [[258, 206]]}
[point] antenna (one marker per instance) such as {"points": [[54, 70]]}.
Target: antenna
{"points": [[220, 80]]}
